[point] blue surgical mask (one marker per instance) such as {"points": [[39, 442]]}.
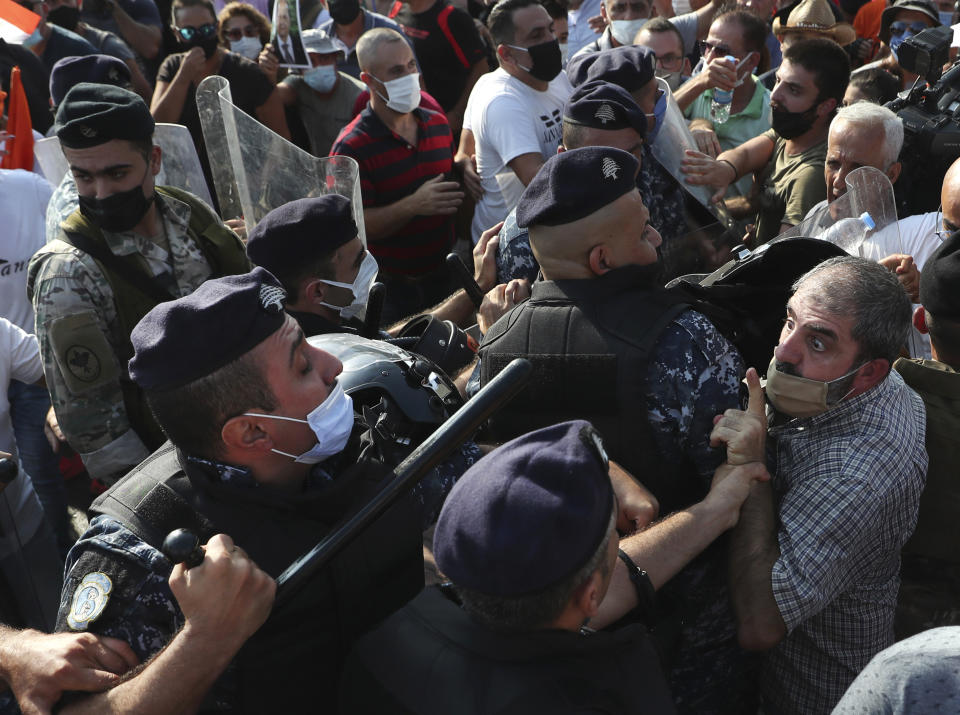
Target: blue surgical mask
{"points": [[321, 78], [659, 111], [331, 422], [35, 38]]}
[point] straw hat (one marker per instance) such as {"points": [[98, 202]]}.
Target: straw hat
{"points": [[816, 18]]}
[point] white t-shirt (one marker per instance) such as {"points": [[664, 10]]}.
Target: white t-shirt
{"points": [[19, 360], [23, 206], [508, 118]]}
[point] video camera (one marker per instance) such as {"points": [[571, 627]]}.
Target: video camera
{"points": [[930, 112]]}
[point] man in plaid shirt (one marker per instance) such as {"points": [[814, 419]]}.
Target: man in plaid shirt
{"points": [[815, 558]]}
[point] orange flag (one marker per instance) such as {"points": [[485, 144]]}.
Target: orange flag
{"points": [[19, 149]]}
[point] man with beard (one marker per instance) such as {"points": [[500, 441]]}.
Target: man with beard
{"points": [[815, 557], [129, 246], [787, 160]]}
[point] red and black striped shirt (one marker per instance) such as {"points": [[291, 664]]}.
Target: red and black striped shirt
{"points": [[390, 170]]}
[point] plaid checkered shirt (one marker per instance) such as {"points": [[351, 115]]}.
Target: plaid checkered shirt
{"points": [[847, 486]]}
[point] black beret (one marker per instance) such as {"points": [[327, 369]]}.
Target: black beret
{"points": [[98, 69], [574, 184], [185, 339], [301, 231], [602, 105], [940, 280], [529, 514], [630, 67], [93, 114]]}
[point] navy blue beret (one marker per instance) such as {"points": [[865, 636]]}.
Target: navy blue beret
{"points": [[574, 184], [529, 514], [185, 339], [300, 232], [602, 105], [98, 69], [93, 114], [630, 67], [940, 280]]}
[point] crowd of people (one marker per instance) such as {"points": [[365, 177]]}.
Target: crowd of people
{"points": [[663, 519]]}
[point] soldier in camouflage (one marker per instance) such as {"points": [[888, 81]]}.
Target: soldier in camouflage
{"points": [[129, 246]]}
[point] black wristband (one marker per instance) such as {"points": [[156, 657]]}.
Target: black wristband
{"points": [[736, 173], [646, 595]]}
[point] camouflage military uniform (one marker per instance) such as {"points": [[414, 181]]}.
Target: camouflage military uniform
{"points": [[80, 335], [662, 196], [63, 203], [140, 608]]}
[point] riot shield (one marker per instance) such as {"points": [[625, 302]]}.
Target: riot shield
{"points": [[256, 170], [673, 139], [863, 222], [179, 167]]}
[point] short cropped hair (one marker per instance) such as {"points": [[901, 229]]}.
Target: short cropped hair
{"points": [[753, 30], [500, 21], [527, 613], [180, 4], [877, 83], [369, 44], [237, 387], [881, 310], [867, 114], [828, 63], [659, 25]]}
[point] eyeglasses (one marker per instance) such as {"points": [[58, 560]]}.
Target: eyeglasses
{"points": [[203, 32], [947, 228], [708, 47], [670, 62], [639, 8], [238, 32], [900, 27]]}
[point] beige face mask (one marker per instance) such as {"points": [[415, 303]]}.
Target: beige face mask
{"points": [[797, 396]]}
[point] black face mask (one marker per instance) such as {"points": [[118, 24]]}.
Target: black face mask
{"points": [[65, 17], [208, 45], [547, 60], [344, 12], [118, 212], [790, 125]]}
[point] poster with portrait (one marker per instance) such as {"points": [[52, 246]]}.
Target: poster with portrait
{"points": [[285, 35]]}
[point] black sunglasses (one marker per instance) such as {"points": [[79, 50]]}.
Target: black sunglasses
{"points": [[203, 32], [246, 31]]}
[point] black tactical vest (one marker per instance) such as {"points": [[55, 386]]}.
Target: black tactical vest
{"points": [[589, 341], [298, 653], [432, 658]]}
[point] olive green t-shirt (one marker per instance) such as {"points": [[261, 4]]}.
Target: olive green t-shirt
{"points": [[789, 186]]}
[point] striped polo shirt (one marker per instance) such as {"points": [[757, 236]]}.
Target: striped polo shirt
{"points": [[390, 170]]}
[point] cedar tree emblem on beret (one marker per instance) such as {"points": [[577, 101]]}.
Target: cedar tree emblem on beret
{"points": [[605, 114], [609, 168], [271, 298]]}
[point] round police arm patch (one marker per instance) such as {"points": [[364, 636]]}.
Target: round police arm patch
{"points": [[82, 352], [89, 600]]}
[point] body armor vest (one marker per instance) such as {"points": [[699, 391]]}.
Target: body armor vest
{"points": [[589, 342], [299, 651]]}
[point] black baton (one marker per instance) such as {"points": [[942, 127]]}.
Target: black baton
{"points": [[470, 286], [371, 323], [450, 435]]}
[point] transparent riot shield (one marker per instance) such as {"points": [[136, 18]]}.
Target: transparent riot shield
{"points": [[256, 170], [179, 167], [863, 222], [673, 139]]}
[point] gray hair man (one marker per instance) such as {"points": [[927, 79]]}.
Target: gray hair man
{"points": [[815, 558]]}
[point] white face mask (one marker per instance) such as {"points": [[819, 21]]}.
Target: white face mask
{"points": [[331, 422], [624, 31], [403, 93], [564, 52], [321, 78], [360, 287], [249, 47]]}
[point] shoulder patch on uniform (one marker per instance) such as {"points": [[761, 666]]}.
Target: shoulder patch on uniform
{"points": [[89, 600], [82, 352]]}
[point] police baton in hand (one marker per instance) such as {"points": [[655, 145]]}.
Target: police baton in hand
{"points": [[371, 323], [437, 447], [463, 276]]}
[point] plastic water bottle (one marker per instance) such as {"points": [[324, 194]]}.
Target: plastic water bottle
{"points": [[848, 233], [720, 106]]}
